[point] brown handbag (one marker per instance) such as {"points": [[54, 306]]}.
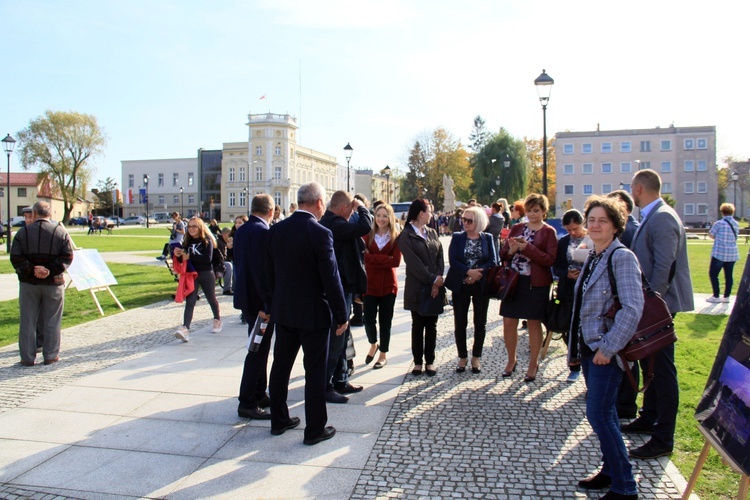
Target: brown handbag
{"points": [[501, 281]]}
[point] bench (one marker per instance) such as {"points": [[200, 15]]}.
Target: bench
{"points": [[110, 227]]}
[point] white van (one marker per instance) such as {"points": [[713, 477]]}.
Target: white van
{"points": [[162, 217]]}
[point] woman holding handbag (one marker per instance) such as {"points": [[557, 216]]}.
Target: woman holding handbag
{"points": [[423, 255], [531, 248], [601, 338], [471, 253], [382, 257]]}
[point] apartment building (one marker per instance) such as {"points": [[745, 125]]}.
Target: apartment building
{"points": [[171, 185], [601, 161]]}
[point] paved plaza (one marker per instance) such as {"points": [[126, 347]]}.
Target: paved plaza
{"points": [[131, 412]]}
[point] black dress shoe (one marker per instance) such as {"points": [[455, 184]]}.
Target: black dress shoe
{"points": [[650, 450], [254, 413], [293, 422], [430, 372], [328, 433], [264, 402], [334, 397], [368, 358], [597, 482], [347, 388], [637, 426]]}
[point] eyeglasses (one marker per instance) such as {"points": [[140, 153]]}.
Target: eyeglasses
{"points": [[467, 221], [193, 227]]}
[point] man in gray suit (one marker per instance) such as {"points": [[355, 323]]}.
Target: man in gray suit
{"points": [[661, 248]]}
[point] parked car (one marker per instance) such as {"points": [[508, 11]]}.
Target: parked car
{"points": [[162, 217], [78, 221], [134, 220], [17, 221], [116, 220]]}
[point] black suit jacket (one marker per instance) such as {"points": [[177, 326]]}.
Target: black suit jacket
{"points": [[303, 276], [251, 292]]}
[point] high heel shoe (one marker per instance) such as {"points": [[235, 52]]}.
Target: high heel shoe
{"points": [[530, 378], [507, 374], [461, 367], [475, 367]]}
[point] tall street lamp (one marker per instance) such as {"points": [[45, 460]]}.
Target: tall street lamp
{"points": [[387, 172], [544, 84], [247, 200], [182, 202], [735, 177], [506, 164], [145, 183], [348, 154], [8, 144]]}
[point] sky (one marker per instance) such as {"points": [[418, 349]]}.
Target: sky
{"points": [[166, 78]]}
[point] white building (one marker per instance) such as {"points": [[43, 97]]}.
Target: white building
{"points": [[172, 186]]}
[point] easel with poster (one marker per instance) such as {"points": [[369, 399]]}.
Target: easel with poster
{"points": [[723, 413], [89, 272]]}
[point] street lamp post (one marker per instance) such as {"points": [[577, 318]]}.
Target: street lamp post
{"points": [[182, 202], [8, 144], [506, 164], [544, 84], [247, 200], [145, 183], [387, 171], [348, 154], [735, 177]]}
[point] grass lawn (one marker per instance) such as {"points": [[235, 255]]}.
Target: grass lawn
{"points": [[699, 254]]}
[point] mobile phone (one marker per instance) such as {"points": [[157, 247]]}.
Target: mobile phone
{"points": [[519, 239]]}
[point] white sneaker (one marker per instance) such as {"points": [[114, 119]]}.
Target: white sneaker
{"points": [[725, 299], [182, 334], [217, 326], [713, 300]]}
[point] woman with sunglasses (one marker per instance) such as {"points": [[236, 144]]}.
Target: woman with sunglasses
{"points": [[470, 254], [197, 249]]}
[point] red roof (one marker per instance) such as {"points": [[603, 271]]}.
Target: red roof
{"points": [[30, 179]]}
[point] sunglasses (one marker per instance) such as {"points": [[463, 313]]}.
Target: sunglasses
{"points": [[467, 221]]}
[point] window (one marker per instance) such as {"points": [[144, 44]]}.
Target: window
{"points": [[568, 169], [2, 191], [277, 173], [175, 179], [161, 199], [232, 199], [587, 148], [568, 149], [689, 188], [689, 166], [666, 145], [242, 174], [588, 168], [568, 189], [666, 187], [689, 209], [702, 166], [191, 199], [588, 189], [625, 147], [22, 192], [702, 143], [160, 181], [702, 187], [131, 181], [191, 179], [625, 187], [259, 150], [277, 198], [606, 188], [702, 209], [645, 146], [231, 176], [606, 168], [278, 151], [688, 144], [258, 173], [606, 147], [645, 164], [666, 166], [625, 167], [175, 200], [243, 198]]}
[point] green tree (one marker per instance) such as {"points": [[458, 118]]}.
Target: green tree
{"points": [[534, 149], [412, 184], [669, 200], [62, 145], [479, 135], [105, 192], [489, 167]]}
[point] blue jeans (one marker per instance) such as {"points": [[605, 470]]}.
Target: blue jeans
{"points": [[602, 382]]}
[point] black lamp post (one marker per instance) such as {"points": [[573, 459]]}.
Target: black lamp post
{"points": [[247, 200], [735, 177], [182, 203], [8, 144], [348, 154], [506, 164], [387, 171], [145, 183], [544, 84]]}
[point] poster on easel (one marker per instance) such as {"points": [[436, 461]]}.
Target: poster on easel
{"points": [[89, 272], [723, 412]]}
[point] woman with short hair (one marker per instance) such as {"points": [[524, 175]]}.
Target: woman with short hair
{"points": [[724, 253]]}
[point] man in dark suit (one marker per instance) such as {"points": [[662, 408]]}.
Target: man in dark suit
{"points": [[306, 301], [661, 248], [250, 288]]}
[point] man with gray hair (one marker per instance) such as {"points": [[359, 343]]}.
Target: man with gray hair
{"points": [[40, 254]]}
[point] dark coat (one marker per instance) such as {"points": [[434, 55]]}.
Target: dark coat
{"points": [[424, 263], [457, 260], [349, 247], [251, 293]]}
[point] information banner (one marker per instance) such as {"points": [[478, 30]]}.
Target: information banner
{"points": [[89, 270]]}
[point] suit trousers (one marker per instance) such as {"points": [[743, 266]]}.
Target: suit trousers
{"points": [[254, 377], [314, 345], [423, 338], [470, 294], [661, 399], [378, 310], [40, 301], [337, 369]]}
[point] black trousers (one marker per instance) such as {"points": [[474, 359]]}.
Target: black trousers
{"points": [[423, 338], [254, 375], [314, 345], [470, 294]]}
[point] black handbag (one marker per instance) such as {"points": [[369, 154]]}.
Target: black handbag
{"points": [[557, 315], [429, 305]]}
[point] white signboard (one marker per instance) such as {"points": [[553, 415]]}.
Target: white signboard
{"points": [[89, 270]]}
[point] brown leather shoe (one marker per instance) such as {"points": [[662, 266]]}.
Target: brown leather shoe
{"points": [[53, 360], [27, 363]]}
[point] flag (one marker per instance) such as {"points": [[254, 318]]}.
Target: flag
{"points": [[262, 97]]}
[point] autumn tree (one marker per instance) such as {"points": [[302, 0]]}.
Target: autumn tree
{"points": [[62, 146], [489, 168], [534, 154]]}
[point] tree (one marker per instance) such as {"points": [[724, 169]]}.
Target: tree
{"points": [[535, 157], [487, 172], [669, 200], [479, 135], [62, 145], [412, 183], [105, 194]]}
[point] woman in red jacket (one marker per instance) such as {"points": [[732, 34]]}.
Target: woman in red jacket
{"points": [[382, 257], [531, 248]]}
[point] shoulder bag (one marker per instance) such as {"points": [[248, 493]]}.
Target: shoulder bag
{"points": [[557, 316], [501, 281]]}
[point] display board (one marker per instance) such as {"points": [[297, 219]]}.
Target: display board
{"points": [[89, 270]]}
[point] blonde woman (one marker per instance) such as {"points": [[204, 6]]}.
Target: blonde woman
{"points": [[197, 250], [382, 258]]}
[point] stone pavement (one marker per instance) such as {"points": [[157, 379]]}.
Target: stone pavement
{"points": [[131, 412]]}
